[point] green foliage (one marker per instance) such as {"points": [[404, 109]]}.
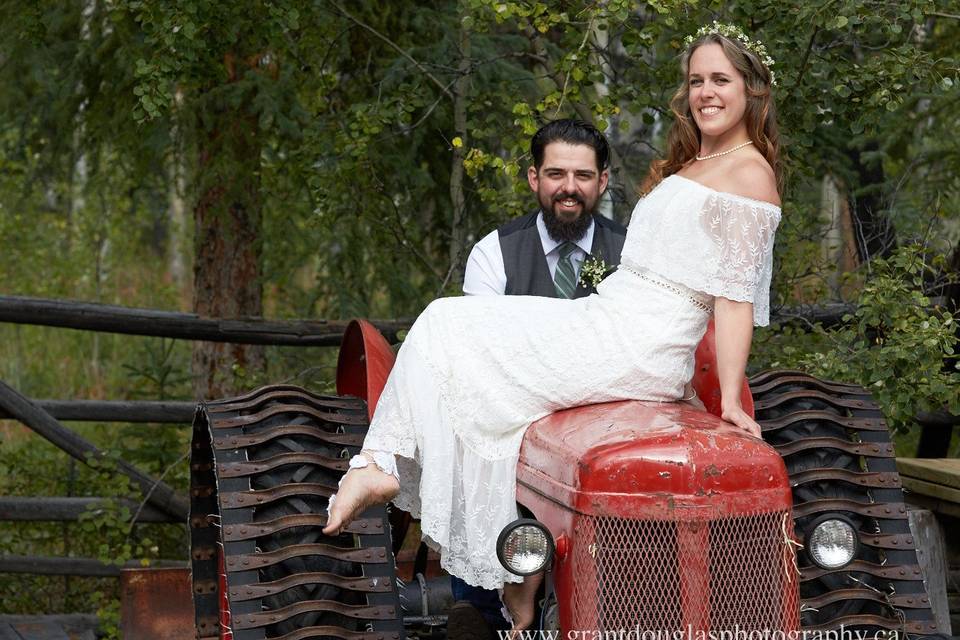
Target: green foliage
{"points": [[896, 343], [344, 115]]}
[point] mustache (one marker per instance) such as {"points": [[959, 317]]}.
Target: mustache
{"points": [[568, 196]]}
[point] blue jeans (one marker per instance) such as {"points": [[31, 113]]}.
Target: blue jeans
{"points": [[486, 601]]}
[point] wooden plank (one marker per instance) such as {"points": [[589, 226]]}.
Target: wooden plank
{"points": [[88, 316], [54, 566], [932, 558], [8, 633], [940, 507], [78, 626], [938, 491], [943, 471], [41, 630], [43, 509], [158, 493], [171, 412]]}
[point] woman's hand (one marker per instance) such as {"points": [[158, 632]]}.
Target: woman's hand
{"points": [[735, 415]]}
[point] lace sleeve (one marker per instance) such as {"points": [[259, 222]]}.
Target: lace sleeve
{"points": [[742, 231]]}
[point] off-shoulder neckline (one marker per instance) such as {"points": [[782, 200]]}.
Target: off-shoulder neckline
{"points": [[762, 203]]}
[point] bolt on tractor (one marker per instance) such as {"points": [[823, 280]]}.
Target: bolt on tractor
{"points": [[645, 516]]}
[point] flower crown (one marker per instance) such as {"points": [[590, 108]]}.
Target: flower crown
{"points": [[734, 32]]}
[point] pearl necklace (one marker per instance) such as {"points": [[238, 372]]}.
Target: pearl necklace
{"points": [[723, 153]]}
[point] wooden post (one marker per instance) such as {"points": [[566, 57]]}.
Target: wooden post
{"points": [[157, 492], [933, 563]]}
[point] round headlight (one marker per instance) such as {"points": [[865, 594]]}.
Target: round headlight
{"points": [[525, 547], [832, 542]]}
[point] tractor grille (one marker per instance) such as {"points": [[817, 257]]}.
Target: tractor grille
{"points": [[684, 575]]}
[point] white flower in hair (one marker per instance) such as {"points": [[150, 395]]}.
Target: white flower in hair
{"points": [[734, 32]]}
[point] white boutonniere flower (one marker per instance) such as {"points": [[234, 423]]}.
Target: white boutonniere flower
{"points": [[593, 271]]}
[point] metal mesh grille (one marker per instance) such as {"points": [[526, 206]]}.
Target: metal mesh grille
{"points": [[669, 576]]}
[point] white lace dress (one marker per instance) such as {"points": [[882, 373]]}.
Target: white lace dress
{"points": [[475, 372]]}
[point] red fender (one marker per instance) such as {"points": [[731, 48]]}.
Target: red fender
{"points": [[365, 361], [705, 380]]}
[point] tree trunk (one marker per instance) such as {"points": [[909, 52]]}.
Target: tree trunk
{"points": [[458, 231], [227, 219]]}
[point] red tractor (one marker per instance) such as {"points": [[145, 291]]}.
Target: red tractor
{"points": [[648, 517]]}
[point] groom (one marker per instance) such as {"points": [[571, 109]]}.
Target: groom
{"points": [[541, 254]]}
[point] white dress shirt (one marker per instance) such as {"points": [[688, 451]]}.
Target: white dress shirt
{"points": [[486, 275]]}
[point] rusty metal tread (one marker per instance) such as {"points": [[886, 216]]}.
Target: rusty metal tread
{"points": [[243, 499], [252, 467], [862, 424], [867, 449], [277, 409], [897, 572], [249, 531], [884, 479], [369, 612], [264, 466], [829, 386], [336, 632], [922, 627], [840, 595], [249, 561], [269, 393], [764, 377], [235, 442], [808, 394], [360, 584], [886, 510]]}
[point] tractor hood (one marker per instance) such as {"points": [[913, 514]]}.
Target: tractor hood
{"points": [[646, 459]]}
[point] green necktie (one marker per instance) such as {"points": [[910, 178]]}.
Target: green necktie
{"points": [[565, 280]]}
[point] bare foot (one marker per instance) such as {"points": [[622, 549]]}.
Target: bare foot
{"points": [[519, 597], [359, 489]]}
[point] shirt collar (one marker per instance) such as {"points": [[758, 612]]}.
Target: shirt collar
{"points": [[549, 244]]}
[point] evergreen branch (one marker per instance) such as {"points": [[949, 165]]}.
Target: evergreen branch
{"points": [[396, 48]]}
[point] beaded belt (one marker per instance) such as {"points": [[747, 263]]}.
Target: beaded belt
{"points": [[669, 286]]}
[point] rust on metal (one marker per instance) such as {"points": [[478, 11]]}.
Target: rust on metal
{"points": [[913, 601], [233, 442], [872, 449], [252, 620], [332, 417], [888, 479], [362, 584], [808, 394], [157, 604], [259, 560], [258, 398], [862, 424], [891, 510], [250, 531], [901, 572], [238, 469], [241, 499]]}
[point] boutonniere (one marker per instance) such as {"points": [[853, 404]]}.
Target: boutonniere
{"points": [[593, 271]]}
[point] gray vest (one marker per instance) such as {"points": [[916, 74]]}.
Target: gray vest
{"points": [[526, 266]]}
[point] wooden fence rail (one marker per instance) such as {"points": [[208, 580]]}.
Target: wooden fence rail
{"points": [[89, 316], [171, 411]]}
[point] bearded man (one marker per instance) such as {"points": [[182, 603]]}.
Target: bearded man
{"points": [[541, 253]]}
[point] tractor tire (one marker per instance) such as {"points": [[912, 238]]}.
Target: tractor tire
{"points": [[263, 467], [840, 459]]}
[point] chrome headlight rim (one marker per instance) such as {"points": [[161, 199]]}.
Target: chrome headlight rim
{"points": [[513, 526], [826, 518]]}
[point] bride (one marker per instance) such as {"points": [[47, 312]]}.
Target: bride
{"points": [[475, 372]]}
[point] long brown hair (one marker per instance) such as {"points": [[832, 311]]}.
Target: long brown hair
{"points": [[683, 139]]}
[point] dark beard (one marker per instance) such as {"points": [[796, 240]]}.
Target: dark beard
{"points": [[562, 231]]}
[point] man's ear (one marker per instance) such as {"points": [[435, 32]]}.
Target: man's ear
{"points": [[533, 178], [604, 179]]}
